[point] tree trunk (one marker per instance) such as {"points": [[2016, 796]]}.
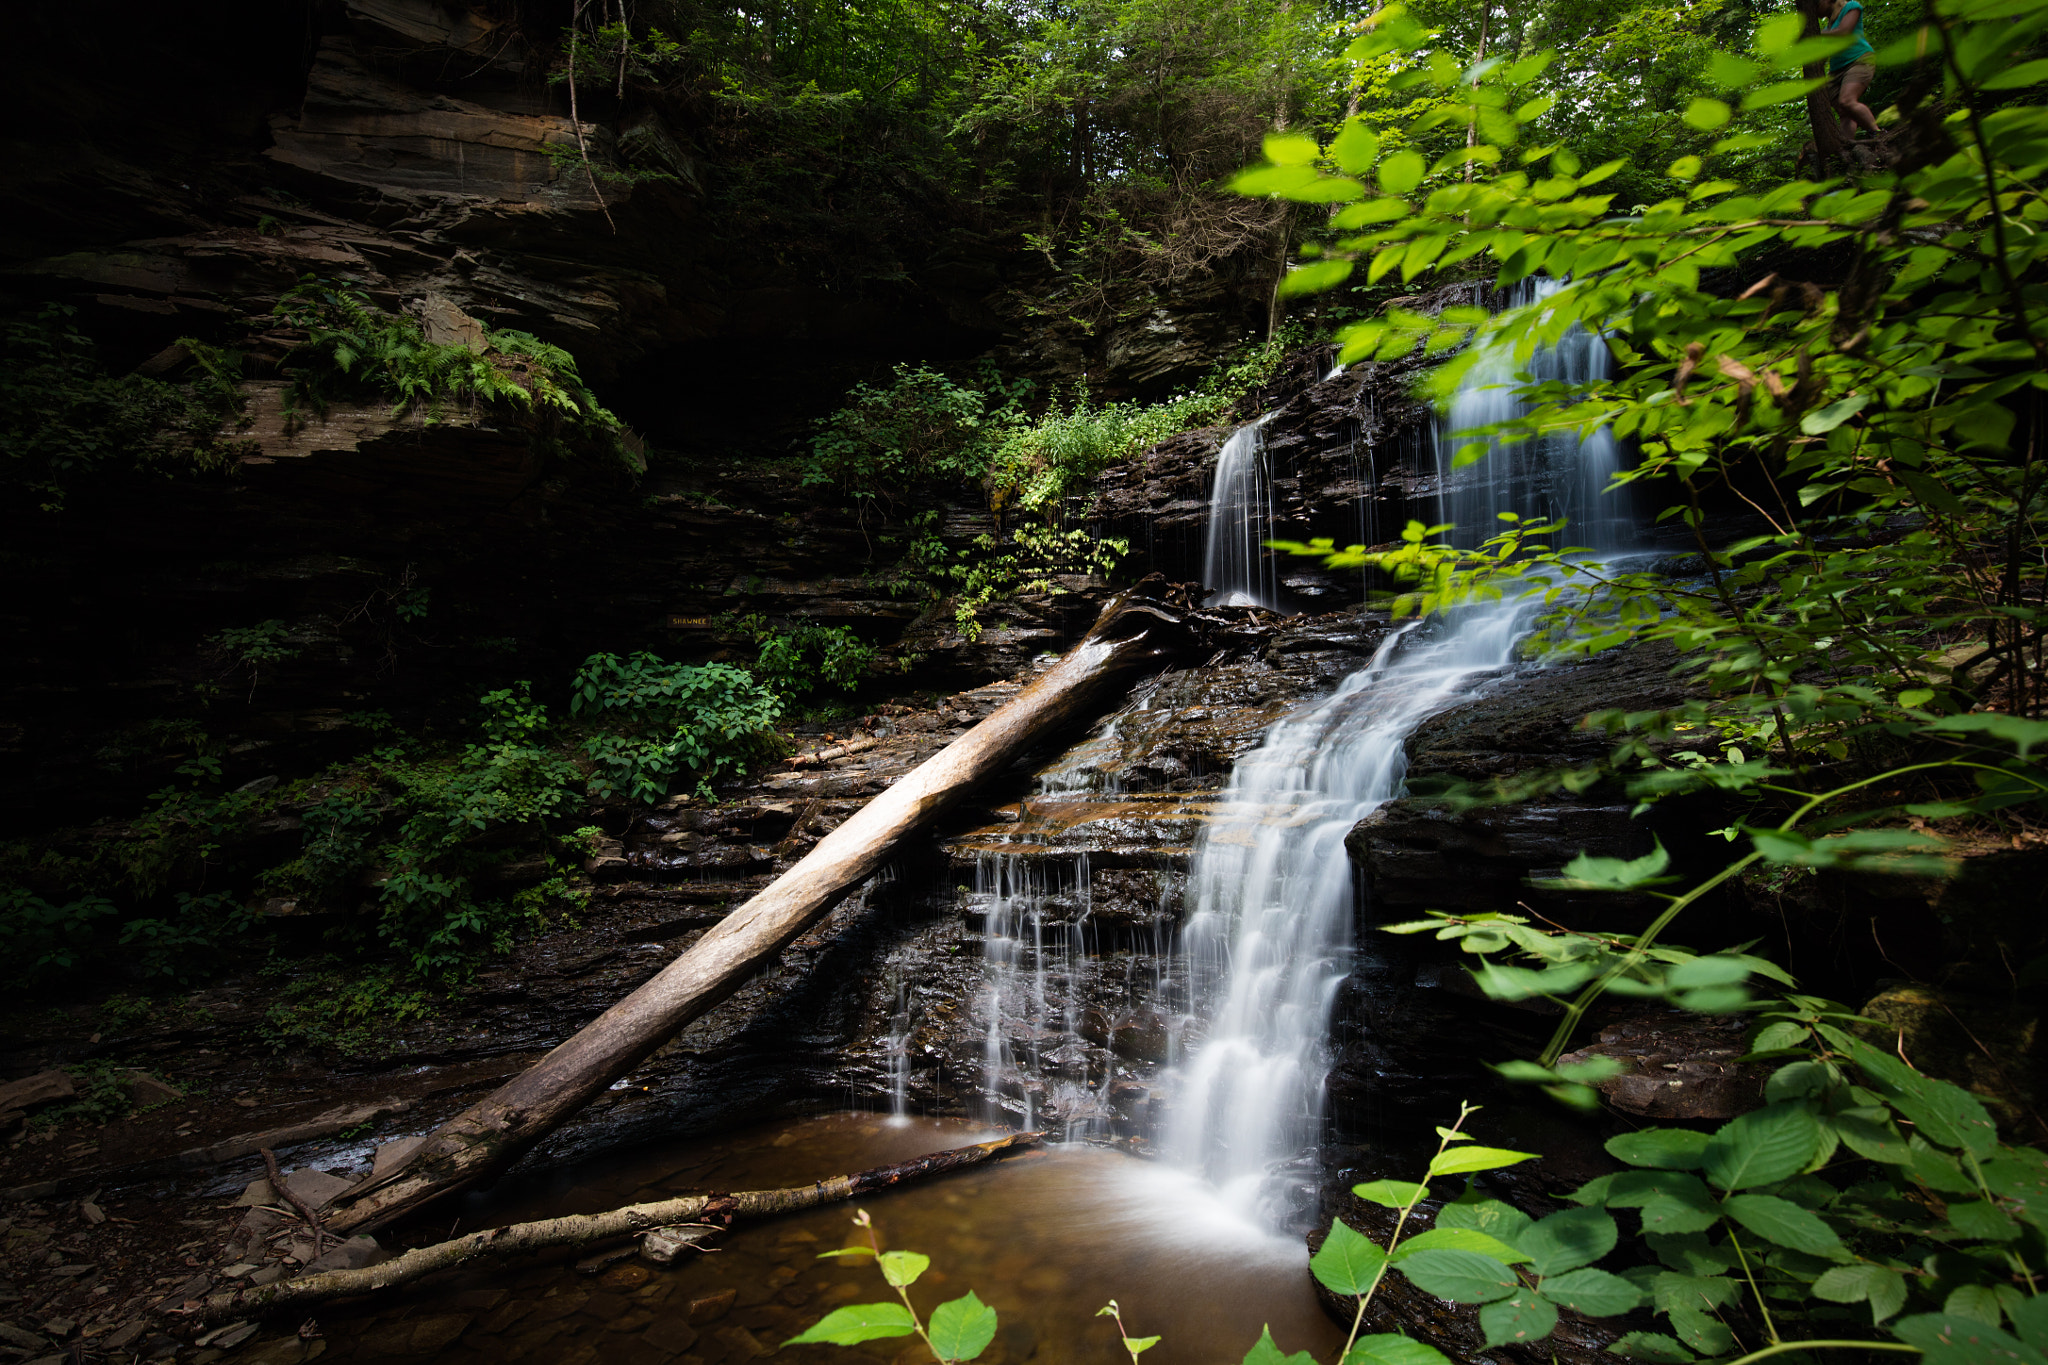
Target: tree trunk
{"points": [[583, 1229], [495, 1131]]}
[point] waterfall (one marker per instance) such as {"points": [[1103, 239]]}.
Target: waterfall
{"points": [[1036, 950], [1235, 564], [1556, 476], [1270, 934]]}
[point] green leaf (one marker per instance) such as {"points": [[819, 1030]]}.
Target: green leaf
{"points": [[1348, 1262], [1565, 1241], [2020, 1177], [1982, 1221], [1392, 1194], [1883, 1288], [1266, 1352], [1314, 277], [1274, 180], [1760, 1148], [1587, 873], [1291, 149], [1948, 1340], [1401, 172], [1458, 1239], [861, 1322], [1730, 72], [1392, 1349], [1356, 148], [1460, 1276], [1650, 1346], [1489, 1216], [1707, 114], [1594, 1293], [2030, 1320], [962, 1328], [1783, 1221], [1777, 33], [1698, 1292], [1463, 1160], [1526, 1316], [1943, 1113], [2018, 77], [901, 1268], [1977, 1302], [1137, 1346], [1672, 1149], [1833, 415], [1699, 1331]]}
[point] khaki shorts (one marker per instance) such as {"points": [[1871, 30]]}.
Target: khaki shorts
{"points": [[1866, 65]]}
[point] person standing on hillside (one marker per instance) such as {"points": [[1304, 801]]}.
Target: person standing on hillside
{"points": [[1853, 67]]}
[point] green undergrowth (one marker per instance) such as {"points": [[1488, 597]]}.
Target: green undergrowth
{"points": [[333, 1006], [795, 658], [425, 855], [894, 449], [66, 420], [898, 445]]}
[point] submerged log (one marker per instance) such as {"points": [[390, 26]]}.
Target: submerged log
{"points": [[583, 1229], [492, 1133]]}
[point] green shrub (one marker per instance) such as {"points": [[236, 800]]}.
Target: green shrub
{"points": [[1028, 562], [102, 1094], [659, 718], [1038, 464], [345, 1010], [800, 657], [42, 940], [65, 420], [923, 431]]}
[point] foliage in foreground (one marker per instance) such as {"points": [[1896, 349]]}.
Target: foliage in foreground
{"points": [[1864, 1207], [1885, 431]]}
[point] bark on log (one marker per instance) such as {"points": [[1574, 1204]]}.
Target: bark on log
{"points": [[498, 1129], [581, 1229]]}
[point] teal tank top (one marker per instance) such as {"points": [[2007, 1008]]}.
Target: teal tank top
{"points": [[1857, 50]]}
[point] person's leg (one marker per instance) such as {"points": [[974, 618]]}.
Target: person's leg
{"points": [[1849, 99]]}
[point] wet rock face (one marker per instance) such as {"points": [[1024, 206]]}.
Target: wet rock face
{"points": [[1679, 1066]]}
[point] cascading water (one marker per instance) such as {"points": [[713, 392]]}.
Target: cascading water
{"points": [[1270, 934], [1235, 564], [1556, 477]]}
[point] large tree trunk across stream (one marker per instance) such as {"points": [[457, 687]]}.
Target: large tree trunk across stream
{"points": [[493, 1132]]}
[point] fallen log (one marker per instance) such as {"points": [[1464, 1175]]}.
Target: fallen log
{"points": [[582, 1229], [497, 1129]]}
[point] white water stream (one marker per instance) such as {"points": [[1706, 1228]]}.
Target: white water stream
{"points": [[1270, 934], [1235, 564]]}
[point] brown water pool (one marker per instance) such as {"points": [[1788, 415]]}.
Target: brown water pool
{"points": [[1045, 1237]]}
